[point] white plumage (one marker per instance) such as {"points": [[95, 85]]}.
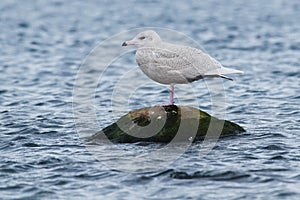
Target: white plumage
{"points": [[174, 64]]}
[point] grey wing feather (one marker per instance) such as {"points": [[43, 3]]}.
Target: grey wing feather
{"points": [[191, 62]]}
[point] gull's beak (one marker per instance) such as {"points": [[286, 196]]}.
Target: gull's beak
{"points": [[126, 43]]}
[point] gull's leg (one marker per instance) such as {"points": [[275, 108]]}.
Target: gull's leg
{"points": [[171, 101], [171, 94]]}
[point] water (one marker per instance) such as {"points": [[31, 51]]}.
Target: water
{"points": [[43, 44]]}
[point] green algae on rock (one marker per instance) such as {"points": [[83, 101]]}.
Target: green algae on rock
{"points": [[166, 124]]}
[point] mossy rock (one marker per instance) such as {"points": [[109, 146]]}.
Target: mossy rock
{"points": [[165, 124]]}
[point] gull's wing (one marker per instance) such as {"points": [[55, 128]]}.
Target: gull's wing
{"points": [[187, 62], [190, 62]]}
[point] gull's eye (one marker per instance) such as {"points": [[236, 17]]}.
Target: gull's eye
{"points": [[142, 38]]}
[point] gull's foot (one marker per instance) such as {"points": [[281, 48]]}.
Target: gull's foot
{"points": [[165, 104]]}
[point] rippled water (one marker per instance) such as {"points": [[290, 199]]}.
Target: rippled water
{"points": [[43, 44]]}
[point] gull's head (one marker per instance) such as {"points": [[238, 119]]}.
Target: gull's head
{"points": [[144, 39]]}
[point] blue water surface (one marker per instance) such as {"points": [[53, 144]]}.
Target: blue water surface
{"points": [[44, 43]]}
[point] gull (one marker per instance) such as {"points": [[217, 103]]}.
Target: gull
{"points": [[172, 64]]}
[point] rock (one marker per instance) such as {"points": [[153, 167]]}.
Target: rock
{"points": [[165, 124]]}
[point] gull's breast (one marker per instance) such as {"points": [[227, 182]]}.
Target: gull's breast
{"points": [[161, 72]]}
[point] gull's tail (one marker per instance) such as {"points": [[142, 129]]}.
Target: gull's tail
{"points": [[221, 72]]}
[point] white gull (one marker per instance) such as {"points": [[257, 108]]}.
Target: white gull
{"points": [[173, 64]]}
